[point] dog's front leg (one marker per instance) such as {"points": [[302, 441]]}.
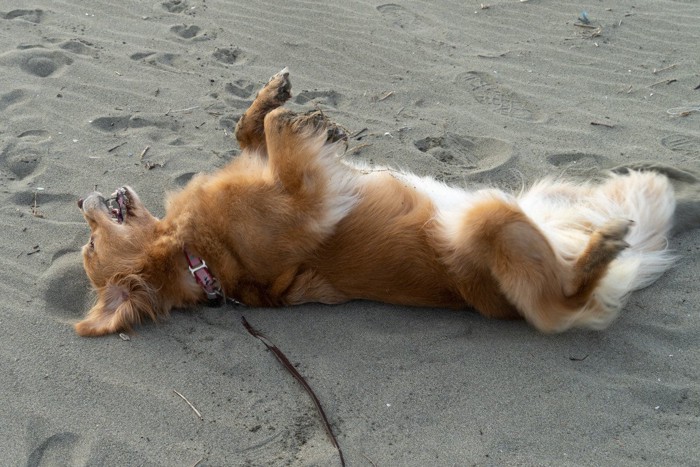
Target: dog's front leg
{"points": [[250, 129]]}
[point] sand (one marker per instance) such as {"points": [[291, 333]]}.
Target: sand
{"points": [[501, 94]]}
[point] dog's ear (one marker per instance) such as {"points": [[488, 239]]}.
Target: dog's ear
{"points": [[120, 304]]}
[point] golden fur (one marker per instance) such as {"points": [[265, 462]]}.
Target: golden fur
{"points": [[288, 222]]}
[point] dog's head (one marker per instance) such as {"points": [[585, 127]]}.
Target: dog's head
{"points": [[115, 260]]}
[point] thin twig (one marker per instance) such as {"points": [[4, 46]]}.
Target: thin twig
{"points": [[116, 147], [358, 133], [35, 208], [664, 81], [181, 110], [386, 96], [655, 71], [145, 150], [190, 404], [368, 459], [493, 56], [607, 125], [300, 379]]}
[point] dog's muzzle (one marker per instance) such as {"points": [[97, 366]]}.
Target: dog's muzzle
{"points": [[116, 206]]}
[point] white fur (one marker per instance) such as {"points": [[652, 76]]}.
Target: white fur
{"points": [[451, 203], [342, 188], [567, 213]]}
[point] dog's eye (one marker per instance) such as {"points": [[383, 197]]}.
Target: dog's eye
{"points": [[92, 243]]}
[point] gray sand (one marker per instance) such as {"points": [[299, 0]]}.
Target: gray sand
{"points": [[500, 95]]}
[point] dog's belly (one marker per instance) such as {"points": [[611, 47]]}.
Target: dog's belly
{"points": [[387, 248]]}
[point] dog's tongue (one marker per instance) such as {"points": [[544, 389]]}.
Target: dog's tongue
{"points": [[117, 214]]}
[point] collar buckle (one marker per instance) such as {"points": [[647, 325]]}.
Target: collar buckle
{"points": [[210, 285], [200, 271], [193, 270]]}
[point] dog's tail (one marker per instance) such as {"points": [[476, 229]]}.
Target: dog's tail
{"points": [[567, 214]]}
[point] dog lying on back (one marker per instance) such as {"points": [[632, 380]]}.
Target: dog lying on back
{"points": [[288, 222]]}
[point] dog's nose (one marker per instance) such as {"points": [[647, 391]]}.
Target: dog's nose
{"points": [[80, 203]]}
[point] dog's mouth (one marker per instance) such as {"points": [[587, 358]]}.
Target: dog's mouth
{"points": [[119, 205]]}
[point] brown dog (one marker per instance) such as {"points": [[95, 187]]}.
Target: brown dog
{"points": [[288, 222]]}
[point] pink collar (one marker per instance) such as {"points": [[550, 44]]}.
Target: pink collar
{"points": [[200, 272]]}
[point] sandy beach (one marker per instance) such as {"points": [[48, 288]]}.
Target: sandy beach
{"points": [[101, 94]]}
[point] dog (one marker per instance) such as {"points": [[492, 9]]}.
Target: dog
{"points": [[289, 222]]}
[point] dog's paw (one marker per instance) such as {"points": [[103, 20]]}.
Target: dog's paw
{"points": [[278, 89], [606, 244], [317, 122], [613, 234], [335, 133], [615, 230]]}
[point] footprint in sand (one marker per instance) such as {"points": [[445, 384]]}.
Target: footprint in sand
{"points": [[488, 92], [682, 143], [183, 179], [11, 98], [228, 122], [37, 61], [400, 17], [185, 31], [228, 56], [473, 153], [27, 198], [578, 162], [175, 6], [48, 446], [40, 135], [111, 123], [54, 450], [141, 55], [329, 98], [65, 284], [240, 88], [169, 60], [79, 47], [21, 159], [191, 32], [125, 122], [32, 16]]}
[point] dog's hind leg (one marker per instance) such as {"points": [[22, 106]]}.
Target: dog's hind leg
{"points": [[549, 292], [250, 129]]}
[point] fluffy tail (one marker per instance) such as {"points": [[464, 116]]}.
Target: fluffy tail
{"points": [[567, 213]]}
